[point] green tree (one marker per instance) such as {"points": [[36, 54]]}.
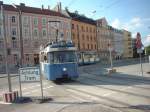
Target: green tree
{"points": [[148, 50]]}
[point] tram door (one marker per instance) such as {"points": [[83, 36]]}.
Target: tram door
{"points": [[36, 59]]}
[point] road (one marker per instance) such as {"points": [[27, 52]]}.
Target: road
{"points": [[94, 91]]}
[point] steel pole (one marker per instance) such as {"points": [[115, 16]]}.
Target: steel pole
{"points": [[111, 64], [141, 64], [41, 83], [6, 50], [21, 39]]}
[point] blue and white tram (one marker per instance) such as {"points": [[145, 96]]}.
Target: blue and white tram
{"points": [[59, 60]]}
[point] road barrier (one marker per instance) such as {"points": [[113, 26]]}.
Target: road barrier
{"points": [[10, 96]]}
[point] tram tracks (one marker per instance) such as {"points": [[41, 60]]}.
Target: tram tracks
{"points": [[131, 80], [97, 99], [105, 100], [122, 90]]}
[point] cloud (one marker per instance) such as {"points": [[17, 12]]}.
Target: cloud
{"points": [[133, 24], [134, 34], [147, 41], [116, 23]]}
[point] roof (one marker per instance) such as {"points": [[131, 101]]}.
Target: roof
{"points": [[33, 10], [81, 18]]}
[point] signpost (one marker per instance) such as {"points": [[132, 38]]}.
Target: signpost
{"points": [[139, 49], [30, 74], [111, 70]]}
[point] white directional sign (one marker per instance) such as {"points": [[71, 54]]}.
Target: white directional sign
{"points": [[139, 51], [29, 74]]}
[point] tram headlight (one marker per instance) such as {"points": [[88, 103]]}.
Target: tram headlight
{"points": [[64, 69]]}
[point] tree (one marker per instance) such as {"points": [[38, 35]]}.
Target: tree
{"points": [[148, 50]]}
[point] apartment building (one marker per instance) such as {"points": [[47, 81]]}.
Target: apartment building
{"points": [[104, 38], [83, 33], [128, 48], [36, 28], [118, 43]]}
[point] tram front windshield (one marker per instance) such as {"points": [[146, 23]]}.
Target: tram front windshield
{"points": [[62, 57]]}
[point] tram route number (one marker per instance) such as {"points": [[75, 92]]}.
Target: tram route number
{"points": [[29, 74]]}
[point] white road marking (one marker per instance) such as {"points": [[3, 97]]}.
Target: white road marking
{"points": [[78, 98], [83, 94], [108, 94]]}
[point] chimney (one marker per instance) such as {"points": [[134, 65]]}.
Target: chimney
{"points": [[48, 7], [42, 7], [1, 2], [22, 4]]}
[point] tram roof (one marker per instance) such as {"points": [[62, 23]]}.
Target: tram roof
{"points": [[60, 46]]}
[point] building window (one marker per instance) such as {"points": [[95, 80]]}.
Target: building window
{"points": [[35, 32], [86, 29], [94, 38], [16, 59], [129, 35], [83, 36], [83, 46], [25, 20], [13, 19], [44, 32], [36, 44], [130, 52], [88, 46], [95, 46], [94, 30], [44, 21], [1, 44], [72, 26], [25, 32], [14, 31], [82, 28], [77, 27], [35, 21], [87, 37], [14, 43], [27, 57], [0, 31], [91, 38], [1, 58], [73, 36], [91, 46]]}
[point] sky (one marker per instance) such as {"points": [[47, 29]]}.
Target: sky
{"points": [[131, 15]]}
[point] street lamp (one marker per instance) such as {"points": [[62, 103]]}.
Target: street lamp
{"points": [[21, 39]]}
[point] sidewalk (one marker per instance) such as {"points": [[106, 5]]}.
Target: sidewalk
{"points": [[5, 75]]}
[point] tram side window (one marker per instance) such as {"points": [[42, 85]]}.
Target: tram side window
{"points": [[50, 58]]}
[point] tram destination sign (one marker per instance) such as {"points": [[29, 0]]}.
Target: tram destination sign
{"points": [[29, 74]]}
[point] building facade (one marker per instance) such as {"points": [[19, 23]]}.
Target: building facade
{"points": [[37, 30], [104, 38], [118, 42], [128, 48], [83, 34]]}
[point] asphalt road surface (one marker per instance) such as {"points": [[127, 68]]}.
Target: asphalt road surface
{"points": [[93, 91]]}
